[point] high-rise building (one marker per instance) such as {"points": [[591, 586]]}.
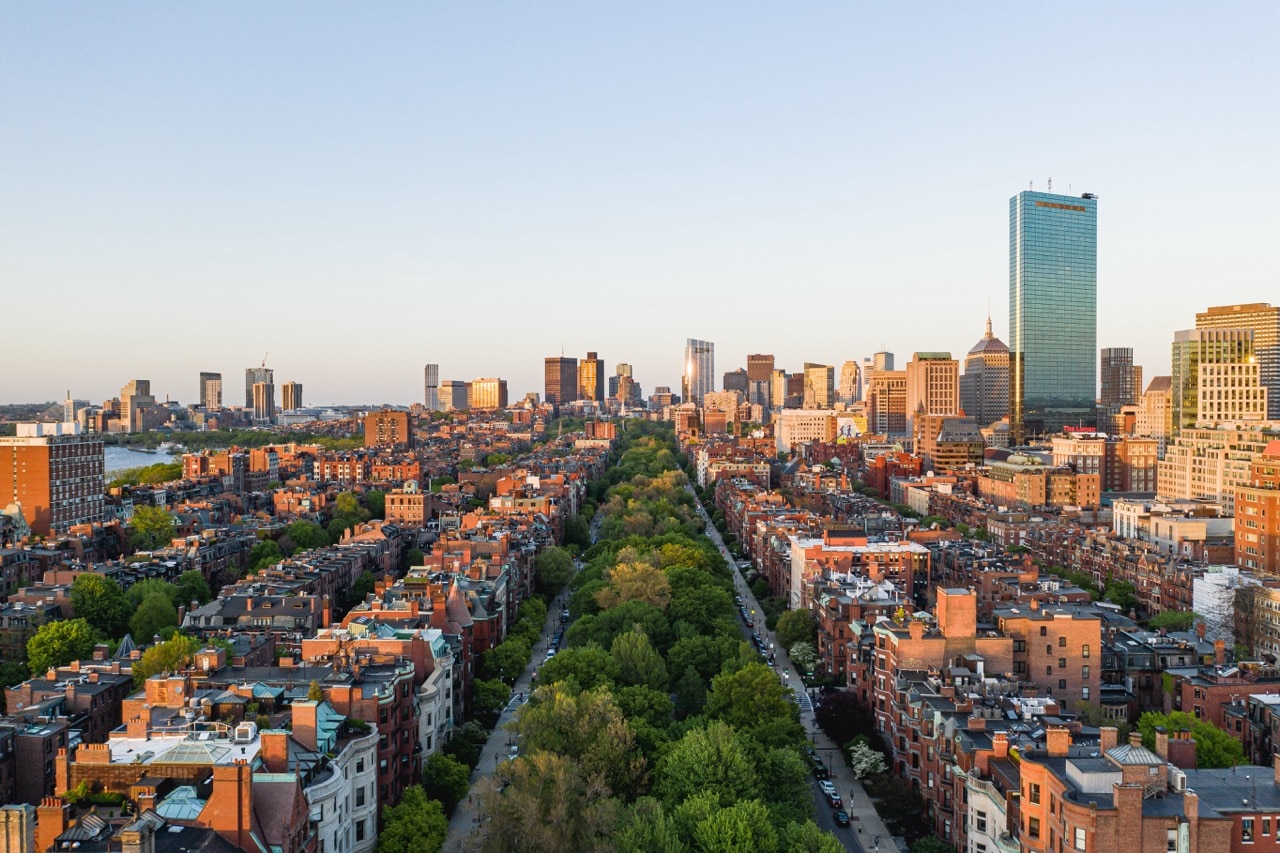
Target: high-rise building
{"points": [[984, 387], [211, 390], [933, 386], [699, 370], [1154, 418], [887, 402], [1053, 312], [264, 402], [386, 428], [291, 396], [1257, 527], [1264, 321], [850, 388], [254, 375], [560, 376], [431, 388], [1215, 378], [454, 396], [138, 410], [759, 367], [1121, 381], [55, 473], [778, 389], [591, 378], [882, 361], [489, 393], [819, 386], [71, 408], [737, 380], [1210, 464]]}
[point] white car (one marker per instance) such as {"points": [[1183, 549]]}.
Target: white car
{"points": [[827, 787]]}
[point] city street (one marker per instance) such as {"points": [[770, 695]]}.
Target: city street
{"points": [[866, 832]]}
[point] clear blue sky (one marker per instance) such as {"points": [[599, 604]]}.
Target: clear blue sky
{"points": [[363, 188]]}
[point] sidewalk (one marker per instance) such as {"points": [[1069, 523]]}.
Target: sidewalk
{"points": [[496, 750], [865, 823]]}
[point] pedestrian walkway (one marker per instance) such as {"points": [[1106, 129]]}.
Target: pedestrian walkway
{"points": [[498, 748]]}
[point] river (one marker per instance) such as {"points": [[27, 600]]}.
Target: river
{"points": [[119, 458]]}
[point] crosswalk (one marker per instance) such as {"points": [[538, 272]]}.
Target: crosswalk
{"points": [[802, 699]]}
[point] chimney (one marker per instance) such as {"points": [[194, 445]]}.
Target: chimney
{"points": [[916, 629], [1182, 750], [1057, 741], [101, 651], [1000, 745], [53, 816], [977, 724], [1109, 736], [1135, 738], [1200, 629], [138, 837], [18, 827], [304, 723], [1219, 652], [1162, 743], [275, 750]]}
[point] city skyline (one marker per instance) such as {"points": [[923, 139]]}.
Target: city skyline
{"points": [[423, 156]]}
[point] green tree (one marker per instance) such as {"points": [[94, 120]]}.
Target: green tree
{"points": [[307, 535], [170, 655], [265, 553], [647, 828], [587, 667], [707, 656], [691, 694], [375, 502], [577, 532], [152, 527], [804, 656], [1094, 715], [1122, 594], [57, 644], [154, 614], [415, 557], [796, 626], [416, 824], [806, 837], [742, 826], [706, 610], [1214, 747], [588, 728], [544, 802], [863, 760], [315, 693], [1174, 620], [554, 567], [139, 592], [637, 662], [491, 696], [446, 779], [931, 844], [364, 585], [98, 600], [191, 587], [709, 760], [507, 660], [748, 697], [467, 742]]}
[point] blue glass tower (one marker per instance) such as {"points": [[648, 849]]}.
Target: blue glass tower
{"points": [[1053, 313]]}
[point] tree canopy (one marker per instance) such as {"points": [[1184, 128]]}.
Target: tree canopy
{"points": [[57, 644], [416, 824], [153, 527], [1214, 747], [98, 600]]}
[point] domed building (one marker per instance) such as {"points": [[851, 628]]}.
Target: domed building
{"points": [[984, 387]]}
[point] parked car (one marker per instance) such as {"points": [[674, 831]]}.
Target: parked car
{"points": [[835, 801], [820, 771], [842, 818], [828, 787]]}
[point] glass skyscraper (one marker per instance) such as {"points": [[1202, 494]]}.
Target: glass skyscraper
{"points": [[699, 370], [1053, 312]]}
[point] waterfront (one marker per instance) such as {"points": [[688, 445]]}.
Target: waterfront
{"points": [[120, 458]]}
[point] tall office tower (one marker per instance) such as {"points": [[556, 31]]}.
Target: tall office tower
{"points": [[387, 428], [882, 361], [699, 370], [887, 402], [291, 396], [454, 396], [431, 389], [737, 380], [1216, 378], [591, 378], [1121, 382], [984, 387], [254, 375], [795, 390], [850, 389], [819, 386], [211, 390], [1264, 320], [489, 393], [55, 473], [759, 367], [1155, 413], [778, 389], [137, 406], [560, 377], [264, 402], [933, 386], [758, 392], [1053, 313], [71, 409]]}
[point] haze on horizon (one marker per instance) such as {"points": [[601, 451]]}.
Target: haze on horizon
{"points": [[361, 190]]}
